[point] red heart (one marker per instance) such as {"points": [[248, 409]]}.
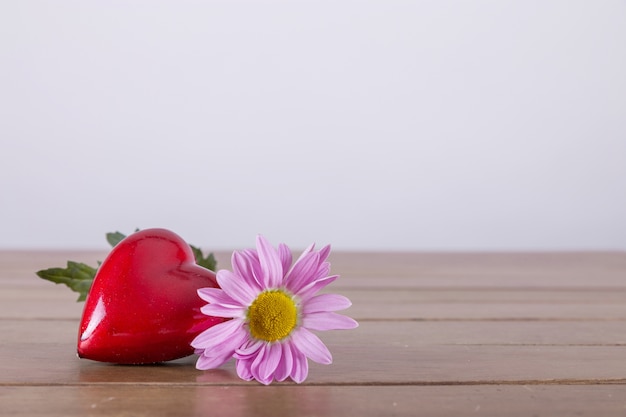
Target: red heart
{"points": [[143, 306]]}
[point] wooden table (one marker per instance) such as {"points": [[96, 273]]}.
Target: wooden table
{"points": [[440, 335]]}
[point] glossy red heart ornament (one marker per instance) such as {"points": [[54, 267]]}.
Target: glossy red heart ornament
{"points": [[143, 305]]}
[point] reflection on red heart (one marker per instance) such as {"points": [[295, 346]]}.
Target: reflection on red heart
{"points": [[143, 306]]}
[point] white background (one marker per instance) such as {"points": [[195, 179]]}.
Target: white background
{"points": [[394, 125]]}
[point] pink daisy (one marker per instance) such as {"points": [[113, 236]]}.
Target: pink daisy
{"points": [[273, 306]]}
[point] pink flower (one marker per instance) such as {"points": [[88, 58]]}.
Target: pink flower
{"points": [[273, 306]]}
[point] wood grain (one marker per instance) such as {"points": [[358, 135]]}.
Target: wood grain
{"points": [[440, 335], [366, 401]]}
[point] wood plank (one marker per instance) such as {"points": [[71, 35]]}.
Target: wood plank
{"points": [[365, 401], [401, 270], [375, 353], [49, 302], [403, 333], [52, 301], [506, 269], [487, 304]]}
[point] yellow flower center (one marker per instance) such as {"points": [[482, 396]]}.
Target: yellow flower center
{"points": [[272, 316]]}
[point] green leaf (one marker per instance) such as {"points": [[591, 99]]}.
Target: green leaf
{"points": [[114, 238], [77, 276], [208, 262]]}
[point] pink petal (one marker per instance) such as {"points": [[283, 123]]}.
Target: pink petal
{"points": [[300, 369], [286, 364], [256, 363], [220, 353], [246, 265], [324, 252], [322, 270], [237, 288], [285, 256], [302, 272], [217, 334], [251, 254], [249, 349], [210, 294], [311, 345], [315, 286], [304, 253], [205, 362], [323, 267], [273, 353], [326, 302], [218, 296], [217, 310], [244, 369], [227, 347], [328, 321], [271, 264], [265, 381]]}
